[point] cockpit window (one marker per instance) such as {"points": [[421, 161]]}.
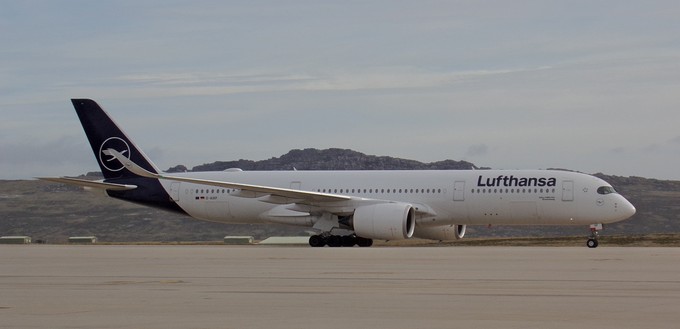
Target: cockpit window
{"points": [[605, 190]]}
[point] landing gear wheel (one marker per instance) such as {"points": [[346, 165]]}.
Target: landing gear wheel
{"points": [[317, 241], [321, 240], [592, 240], [363, 242], [349, 241], [334, 241]]}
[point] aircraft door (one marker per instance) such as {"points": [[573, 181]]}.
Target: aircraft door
{"points": [[174, 190], [567, 190], [459, 191]]}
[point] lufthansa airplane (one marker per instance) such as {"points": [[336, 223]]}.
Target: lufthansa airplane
{"points": [[348, 208]]}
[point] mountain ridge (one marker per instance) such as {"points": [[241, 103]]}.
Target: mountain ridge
{"points": [[327, 159]]}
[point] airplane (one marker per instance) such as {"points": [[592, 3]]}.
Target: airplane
{"points": [[348, 208]]}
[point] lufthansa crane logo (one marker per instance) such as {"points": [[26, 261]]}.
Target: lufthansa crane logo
{"points": [[109, 161]]}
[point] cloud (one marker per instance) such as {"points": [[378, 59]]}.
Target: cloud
{"points": [[215, 84], [542, 82], [67, 155], [477, 150]]}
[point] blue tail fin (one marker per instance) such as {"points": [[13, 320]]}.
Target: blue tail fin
{"points": [[103, 134]]}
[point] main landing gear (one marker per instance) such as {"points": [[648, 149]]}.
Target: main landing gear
{"points": [[592, 240], [339, 241]]}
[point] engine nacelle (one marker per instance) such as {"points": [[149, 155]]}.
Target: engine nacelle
{"points": [[441, 233], [385, 221]]}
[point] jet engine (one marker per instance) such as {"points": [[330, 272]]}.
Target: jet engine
{"points": [[441, 233], [384, 221]]}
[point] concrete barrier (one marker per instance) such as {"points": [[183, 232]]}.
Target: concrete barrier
{"points": [[82, 239], [289, 240], [238, 240], [15, 239]]}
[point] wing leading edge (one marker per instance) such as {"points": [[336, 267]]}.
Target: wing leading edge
{"points": [[89, 183], [273, 194], [297, 196]]}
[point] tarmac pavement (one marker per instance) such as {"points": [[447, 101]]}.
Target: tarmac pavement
{"points": [[61, 286]]}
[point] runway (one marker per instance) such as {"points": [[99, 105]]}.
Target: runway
{"points": [[44, 286]]}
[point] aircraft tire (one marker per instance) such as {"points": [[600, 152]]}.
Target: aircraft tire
{"points": [[349, 241], [335, 241], [317, 241], [592, 243], [363, 242]]}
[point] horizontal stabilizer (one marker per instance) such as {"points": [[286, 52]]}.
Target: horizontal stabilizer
{"points": [[89, 183]]}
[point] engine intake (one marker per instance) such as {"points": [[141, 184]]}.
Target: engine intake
{"points": [[385, 221]]}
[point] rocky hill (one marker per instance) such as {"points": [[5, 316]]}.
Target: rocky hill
{"points": [[329, 159], [53, 212]]}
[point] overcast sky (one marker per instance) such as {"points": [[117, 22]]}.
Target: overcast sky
{"points": [[592, 86]]}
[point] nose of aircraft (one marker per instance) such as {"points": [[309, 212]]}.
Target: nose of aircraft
{"points": [[626, 209]]}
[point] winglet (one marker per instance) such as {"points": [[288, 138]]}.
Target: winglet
{"points": [[131, 166]]}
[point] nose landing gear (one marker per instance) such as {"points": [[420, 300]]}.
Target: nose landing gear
{"points": [[592, 240]]}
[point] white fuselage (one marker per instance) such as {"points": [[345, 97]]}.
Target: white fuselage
{"points": [[349, 208], [463, 197]]}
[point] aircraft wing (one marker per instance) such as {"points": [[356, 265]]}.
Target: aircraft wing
{"points": [[272, 194], [89, 183], [289, 195], [294, 196]]}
